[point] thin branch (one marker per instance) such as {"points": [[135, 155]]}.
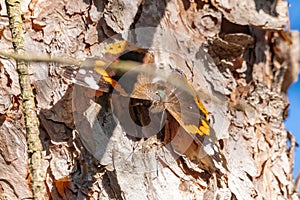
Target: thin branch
{"points": [[42, 58], [31, 120]]}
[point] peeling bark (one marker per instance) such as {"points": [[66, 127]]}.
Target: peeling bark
{"points": [[237, 56]]}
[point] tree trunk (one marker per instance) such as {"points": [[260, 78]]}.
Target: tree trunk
{"points": [[237, 57]]}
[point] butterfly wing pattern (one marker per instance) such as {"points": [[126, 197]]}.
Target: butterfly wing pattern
{"points": [[173, 93], [182, 101], [177, 96], [100, 74]]}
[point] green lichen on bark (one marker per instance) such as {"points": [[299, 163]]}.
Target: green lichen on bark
{"points": [[31, 120]]}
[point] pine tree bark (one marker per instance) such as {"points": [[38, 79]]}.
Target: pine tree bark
{"points": [[240, 59]]}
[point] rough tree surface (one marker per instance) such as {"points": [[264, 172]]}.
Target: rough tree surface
{"points": [[238, 55]]}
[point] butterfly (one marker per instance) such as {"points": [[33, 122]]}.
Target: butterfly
{"points": [[174, 94], [146, 99]]}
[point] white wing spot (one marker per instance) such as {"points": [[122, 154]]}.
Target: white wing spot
{"points": [[91, 82], [82, 71]]}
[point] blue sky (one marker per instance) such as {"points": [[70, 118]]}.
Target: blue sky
{"points": [[293, 121]]}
